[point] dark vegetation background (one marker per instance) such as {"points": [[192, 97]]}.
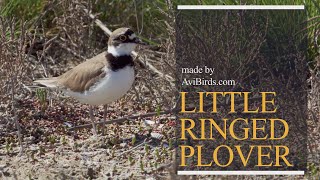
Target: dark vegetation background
{"points": [[260, 55], [44, 38]]}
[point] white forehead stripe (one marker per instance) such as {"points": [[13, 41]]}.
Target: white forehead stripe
{"points": [[132, 36]]}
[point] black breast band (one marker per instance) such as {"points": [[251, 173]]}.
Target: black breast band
{"points": [[116, 63]]}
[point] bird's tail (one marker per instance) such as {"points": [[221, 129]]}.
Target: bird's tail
{"points": [[50, 83]]}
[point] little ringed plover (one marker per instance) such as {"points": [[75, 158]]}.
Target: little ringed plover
{"points": [[103, 78]]}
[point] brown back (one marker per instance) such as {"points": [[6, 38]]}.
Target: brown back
{"points": [[83, 76]]}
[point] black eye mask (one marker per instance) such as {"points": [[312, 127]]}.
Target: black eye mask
{"points": [[124, 38]]}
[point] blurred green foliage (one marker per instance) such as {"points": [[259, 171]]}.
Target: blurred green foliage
{"points": [[149, 17], [21, 9]]}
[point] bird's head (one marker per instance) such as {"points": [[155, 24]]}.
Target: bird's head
{"points": [[122, 42]]}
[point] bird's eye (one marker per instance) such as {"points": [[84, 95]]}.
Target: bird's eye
{"points": [[123, 38]]}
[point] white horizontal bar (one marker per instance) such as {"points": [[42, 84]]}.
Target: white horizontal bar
{"points": [[241, 7], [240, 172]]}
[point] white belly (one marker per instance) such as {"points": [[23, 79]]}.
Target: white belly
{"points": [[108, 89]]}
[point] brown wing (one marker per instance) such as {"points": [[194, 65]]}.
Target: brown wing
{"points": [[83, 76]]}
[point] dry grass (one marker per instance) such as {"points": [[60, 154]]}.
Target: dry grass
{"points": [[60, 37], [29, 51]]}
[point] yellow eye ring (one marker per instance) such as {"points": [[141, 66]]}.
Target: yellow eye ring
{"points": [[123, 38]]}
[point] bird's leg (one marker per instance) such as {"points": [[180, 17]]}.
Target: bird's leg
{"points": [[15, 117], [19, 136], [93, 121], [105, 111]]}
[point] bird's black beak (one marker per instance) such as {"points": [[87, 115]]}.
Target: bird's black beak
{"points": [[138, 41]]}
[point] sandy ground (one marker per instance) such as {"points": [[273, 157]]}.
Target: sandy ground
{"points": [[136, 149]]}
